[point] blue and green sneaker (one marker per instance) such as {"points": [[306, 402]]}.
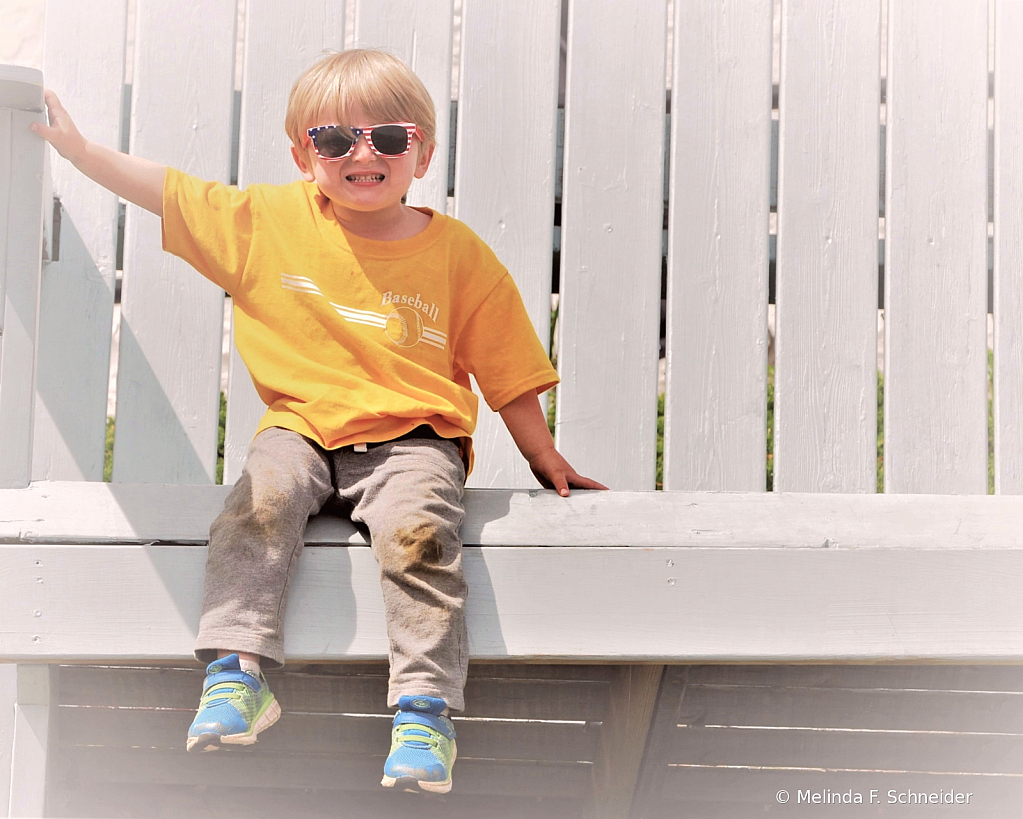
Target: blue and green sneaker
{"points": [[422, 747], [234, 708]]}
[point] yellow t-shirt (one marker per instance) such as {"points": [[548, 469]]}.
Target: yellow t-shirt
{"points": [[350, 340]]}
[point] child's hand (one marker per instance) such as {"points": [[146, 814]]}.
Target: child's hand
{"points": [[554, 472], [61, 133], [131, 177]]}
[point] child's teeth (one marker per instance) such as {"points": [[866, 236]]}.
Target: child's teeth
{"points": [[368, 177]]}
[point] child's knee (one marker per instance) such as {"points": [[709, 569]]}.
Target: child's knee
{"points": [[417, 545]]}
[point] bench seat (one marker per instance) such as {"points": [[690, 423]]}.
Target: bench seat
{"points": [[113, 572]]}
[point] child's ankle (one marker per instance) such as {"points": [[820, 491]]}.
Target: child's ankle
{"points": [[249, 666], [249, 663]]}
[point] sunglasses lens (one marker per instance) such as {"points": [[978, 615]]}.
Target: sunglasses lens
{"points": [[390, 140], [332, 143]]}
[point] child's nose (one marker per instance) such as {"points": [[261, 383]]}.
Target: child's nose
{"points": [[361, 149]]}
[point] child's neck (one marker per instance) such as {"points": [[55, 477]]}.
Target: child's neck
{"points": [[402, 222]]}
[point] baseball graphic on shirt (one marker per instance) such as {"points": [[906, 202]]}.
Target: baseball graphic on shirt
{"points": [[404, 326]]}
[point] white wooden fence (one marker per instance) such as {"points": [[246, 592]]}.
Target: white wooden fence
{"points": [[838, 575]]}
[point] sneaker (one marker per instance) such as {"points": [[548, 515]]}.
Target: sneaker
{"points": [[234, 708], [422, 747]]}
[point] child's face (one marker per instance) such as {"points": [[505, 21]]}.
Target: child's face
{"points": [[363, 183]]}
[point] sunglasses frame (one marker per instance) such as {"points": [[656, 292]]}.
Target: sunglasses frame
{"points": [[410, 127]]}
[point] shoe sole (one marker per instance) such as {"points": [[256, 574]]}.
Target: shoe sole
{"points": [[411, 784], [212, 742]]}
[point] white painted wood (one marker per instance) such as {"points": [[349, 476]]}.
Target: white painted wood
{"points": [[22, 158], [611, 223], [1008, 249], [76, 512], [504, 174], [679, 604], [77, 297], [244, 410], [825, 435], [716, 345], [419, 32], [171, 318], [281, 41], [34, 718], [936, 248], [8, 697]]}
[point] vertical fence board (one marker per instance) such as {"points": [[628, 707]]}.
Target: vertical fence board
{"points": [[22, 158], [825, 437], [504, 190], [35, 715], [611, 225], [77, 298], [171, 318], [8, 698], [715, 401], [1008, 251], [419, 32], [281, 41], [936, 248]]}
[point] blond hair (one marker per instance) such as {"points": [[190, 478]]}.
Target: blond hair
{"points": [[378, 83]]}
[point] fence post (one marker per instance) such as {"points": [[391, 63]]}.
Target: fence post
{"points": [[34, 718], [22, 172]]}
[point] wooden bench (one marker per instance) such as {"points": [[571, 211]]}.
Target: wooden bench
{"points": [[637, 653]]}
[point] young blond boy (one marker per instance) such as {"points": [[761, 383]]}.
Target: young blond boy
{"points": [[360, 319]]}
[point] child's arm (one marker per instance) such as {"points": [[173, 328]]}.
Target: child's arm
{"points": [[528, 429], [130, 177]]}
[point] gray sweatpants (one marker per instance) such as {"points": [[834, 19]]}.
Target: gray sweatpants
{"points": [[408, 494]]}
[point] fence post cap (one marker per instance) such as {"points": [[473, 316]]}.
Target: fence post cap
{"points": [[21, 87]]}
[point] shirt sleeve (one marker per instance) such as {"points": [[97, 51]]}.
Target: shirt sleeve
{"points": [[209, 225], [500, 348]]}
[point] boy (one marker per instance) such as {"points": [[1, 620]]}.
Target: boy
{"points": [[360, 319]]}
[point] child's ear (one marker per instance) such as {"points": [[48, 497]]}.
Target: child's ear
{"points": [[304, 166], [423, 162]]}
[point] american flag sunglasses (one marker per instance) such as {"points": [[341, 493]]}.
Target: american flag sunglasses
{"points": [[392, 139]]}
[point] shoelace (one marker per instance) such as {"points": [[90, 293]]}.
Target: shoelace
{"points": [[223, 692], [423, 735]]}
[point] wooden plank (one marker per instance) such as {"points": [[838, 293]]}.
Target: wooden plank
{"points": [[998, 796], [578, 701], [31, 755], [650, 786], [77, 512], [849, 749], [281, 41], [341, 774], [8, 698], [420, 34], [244, 410], [83, 799], [743, 810], [611, 218], [1008, 248], [725, 605], [825, 436], [893, 677], [716, 346], [851, 709], [331, 734], [623, 739], [77, 297], [508, 87], [172, 318], [936, 248], [22, 157]]}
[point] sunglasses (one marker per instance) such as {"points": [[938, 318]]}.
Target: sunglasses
{"points": [[391, 140]]}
